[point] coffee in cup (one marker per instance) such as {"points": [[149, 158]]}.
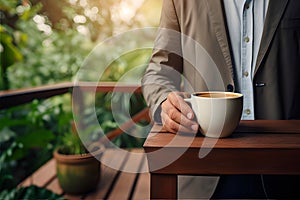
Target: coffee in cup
{"points": [[217, 113]]}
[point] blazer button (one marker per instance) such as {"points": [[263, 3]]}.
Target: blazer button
{"points": [[229, 88], [260, 84]]}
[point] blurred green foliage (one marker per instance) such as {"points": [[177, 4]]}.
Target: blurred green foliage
{"points": [[30, 192], [35, 54], [28, 135]]}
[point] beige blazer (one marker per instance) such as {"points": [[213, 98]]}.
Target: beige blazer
{"points": [[193, 47], [191, 29]]}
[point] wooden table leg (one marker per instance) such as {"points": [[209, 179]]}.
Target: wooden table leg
{"points": [[163, 186]]}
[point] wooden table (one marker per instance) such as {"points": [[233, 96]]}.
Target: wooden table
{"points": [[256, 147]]}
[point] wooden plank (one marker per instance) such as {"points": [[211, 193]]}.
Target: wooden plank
{"points": [[45, 174], [255, 126], [17, 97], [42, 177], [163, 186], [26, 182], [73, 197], [236, 141], [123, 187], [269, 126], [288, 136], [108, 175], [109, 87], [35, 90], [55, 187], [107, 178], [142, 189], [231, 161]]}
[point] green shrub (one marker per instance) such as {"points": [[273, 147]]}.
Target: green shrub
{"points": [[28, 135]]}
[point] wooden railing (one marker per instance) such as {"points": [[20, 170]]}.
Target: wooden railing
{"points": [[17, 97], [11, 98]]}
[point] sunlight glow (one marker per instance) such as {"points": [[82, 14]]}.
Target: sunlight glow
{"points": [[39, 19], [83, 30], [92, 13], [127, 9], [83, 3], [79, 19], [47, 42], [73, 2], [41, 24]]}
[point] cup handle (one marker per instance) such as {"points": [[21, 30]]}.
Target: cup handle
{"points": [[188, 100]]}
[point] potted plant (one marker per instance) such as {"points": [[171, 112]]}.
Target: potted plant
{"points": [[78, 167]]}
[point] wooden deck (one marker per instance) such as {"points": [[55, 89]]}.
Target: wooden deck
{"points": [[113, 184]]}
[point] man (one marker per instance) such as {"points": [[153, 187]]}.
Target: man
{"points": [[247, 46]]}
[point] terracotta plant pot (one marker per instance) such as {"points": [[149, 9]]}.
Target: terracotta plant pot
{"points": [[78, 174]]}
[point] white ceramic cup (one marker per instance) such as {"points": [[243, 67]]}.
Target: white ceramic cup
{"points": [[218, 113]]}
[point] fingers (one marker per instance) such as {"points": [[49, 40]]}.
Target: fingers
{"points": [[176, 99], [174, 127], [177, 115]]}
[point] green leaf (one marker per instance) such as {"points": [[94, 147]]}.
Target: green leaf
{"points": [[8, 122], [8, 5], [31, 192], [11, 53], [17, 154], [36, 139], [6, 134]]}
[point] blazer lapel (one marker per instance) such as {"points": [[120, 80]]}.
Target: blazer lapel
{"points": [[274, 14], [216, 13]]}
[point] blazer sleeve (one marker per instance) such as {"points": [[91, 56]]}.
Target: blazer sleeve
{"points": [[163, 73]]}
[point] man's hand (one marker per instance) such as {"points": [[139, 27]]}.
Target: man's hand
{"points": [[177, 115]]}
